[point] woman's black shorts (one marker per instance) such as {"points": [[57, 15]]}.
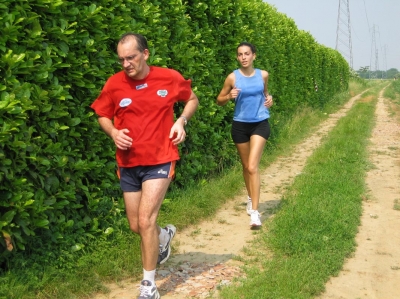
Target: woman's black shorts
{"points": [[241, 131]]}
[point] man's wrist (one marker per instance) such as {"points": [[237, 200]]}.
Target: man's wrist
{"points": [[185, 121]]}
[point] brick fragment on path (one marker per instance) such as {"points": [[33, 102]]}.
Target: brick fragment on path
{"points": [[195, 280]]}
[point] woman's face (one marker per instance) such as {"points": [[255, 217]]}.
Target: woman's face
{"points": [[245, 56]]}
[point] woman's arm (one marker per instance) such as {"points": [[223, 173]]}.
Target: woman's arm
{"points": [[268, 98], [228, 91]]}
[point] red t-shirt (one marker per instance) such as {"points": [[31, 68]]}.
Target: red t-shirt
{"points": [[145, 108]]}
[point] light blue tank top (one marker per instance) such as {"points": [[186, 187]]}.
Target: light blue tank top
{"points": [[249, 105]]}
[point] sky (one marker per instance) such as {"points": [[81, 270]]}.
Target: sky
{"points": [[382, 17]]}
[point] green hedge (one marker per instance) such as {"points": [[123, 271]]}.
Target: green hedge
{"points": [[57, 168]]}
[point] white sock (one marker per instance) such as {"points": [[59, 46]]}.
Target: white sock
{"points": [[248, 198], [163, 236], [149, 275]]}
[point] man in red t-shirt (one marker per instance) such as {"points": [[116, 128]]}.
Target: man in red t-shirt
{"points": [[135, 109]]}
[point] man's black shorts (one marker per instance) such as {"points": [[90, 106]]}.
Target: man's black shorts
{"points": [[241, 131], [131, 178]]}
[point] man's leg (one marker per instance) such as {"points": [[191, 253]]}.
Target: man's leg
{"points": [[142, 209], [153, 192], [132, 201]]}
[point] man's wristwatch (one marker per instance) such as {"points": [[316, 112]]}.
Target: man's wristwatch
{"points": [[184, 119]]}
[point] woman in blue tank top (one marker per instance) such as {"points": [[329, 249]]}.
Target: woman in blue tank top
{"points": [[248, 86]]}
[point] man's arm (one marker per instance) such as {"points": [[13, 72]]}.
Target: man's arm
{"points": [[120, 137], [190, 108], [177, 131]]}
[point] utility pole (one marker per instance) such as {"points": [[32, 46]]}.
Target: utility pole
{"points": [[384, 61], [374, 53], [343, 32]]}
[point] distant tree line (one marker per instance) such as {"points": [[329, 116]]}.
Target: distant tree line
{"points": [[366, 73]]}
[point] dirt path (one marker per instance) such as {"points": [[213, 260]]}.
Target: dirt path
{"points": [[202, 257], [374, 271]]}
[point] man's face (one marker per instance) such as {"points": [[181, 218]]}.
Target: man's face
{"points": [[132, 60]]}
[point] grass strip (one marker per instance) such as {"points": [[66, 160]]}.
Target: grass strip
{"points": [[314, 230]]}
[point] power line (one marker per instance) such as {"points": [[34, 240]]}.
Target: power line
{"points": [[366, 15], [343, 32], [374, 53]]}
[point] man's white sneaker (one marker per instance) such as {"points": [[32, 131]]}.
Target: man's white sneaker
{"points": [[148, 290], [255, 218], [165, 250], [249, 206]]}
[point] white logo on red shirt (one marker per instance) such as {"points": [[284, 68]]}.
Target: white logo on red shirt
{"points": [[125, 102], [141, 86], [162, 93]]}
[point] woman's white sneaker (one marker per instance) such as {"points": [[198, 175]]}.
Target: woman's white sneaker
{"points": [[255, 218]]}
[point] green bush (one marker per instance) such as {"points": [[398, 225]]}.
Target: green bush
{"points": [[57, 170]]}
